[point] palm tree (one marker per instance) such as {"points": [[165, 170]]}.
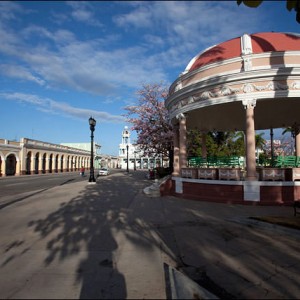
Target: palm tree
{"points": [[260, 142], [292, 131], [287, 129]]}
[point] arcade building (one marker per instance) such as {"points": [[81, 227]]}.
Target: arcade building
{"points": [[28, 156]]}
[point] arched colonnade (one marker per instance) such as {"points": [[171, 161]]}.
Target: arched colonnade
{"points": [[36, 157], [41, 162]]}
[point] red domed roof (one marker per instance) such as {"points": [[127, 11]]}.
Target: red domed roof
{"points": [[261, 42]]}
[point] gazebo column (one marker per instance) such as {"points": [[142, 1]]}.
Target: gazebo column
{"points": [[176, 169], [182, 141], [249, 105], [297, 139]]}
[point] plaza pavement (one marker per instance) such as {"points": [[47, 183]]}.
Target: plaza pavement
{"points": [[111, 241]]}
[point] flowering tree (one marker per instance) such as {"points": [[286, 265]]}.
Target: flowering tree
{"points": [[151, 121]]}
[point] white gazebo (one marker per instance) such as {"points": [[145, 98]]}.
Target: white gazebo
{"points": [[245, 84]]}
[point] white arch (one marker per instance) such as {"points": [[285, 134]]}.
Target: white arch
{"points": [[14, 153]]}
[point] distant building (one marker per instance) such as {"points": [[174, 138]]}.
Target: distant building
{"points": [[136, 157], [276, 143], [87, 147], [100, 160], [280, 147]]}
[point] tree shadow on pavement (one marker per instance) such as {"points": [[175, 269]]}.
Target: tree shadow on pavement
{"points": [[82, 228]]}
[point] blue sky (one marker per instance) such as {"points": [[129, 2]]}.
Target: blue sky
{"points": [[62, 62]]}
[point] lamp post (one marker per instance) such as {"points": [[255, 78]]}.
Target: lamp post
{"points": [[92, 123], [127, 146], [272, 147], [134, 161], [294, 133]]}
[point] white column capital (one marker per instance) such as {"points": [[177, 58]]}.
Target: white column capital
{"points": [[249, 103], [180, 117]]}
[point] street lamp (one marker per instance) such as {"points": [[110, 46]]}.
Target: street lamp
{"points": [[272, 147], [294, 133], [134, 160], [92, 123], [127, 146]]}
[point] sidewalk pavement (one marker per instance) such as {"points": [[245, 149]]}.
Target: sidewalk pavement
{"points": [[219, 247], [117, 242]]}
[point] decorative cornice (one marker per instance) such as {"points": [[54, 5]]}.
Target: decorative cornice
{"points": [[233, 79], [247, 88], [10, 147], [226, 90]]}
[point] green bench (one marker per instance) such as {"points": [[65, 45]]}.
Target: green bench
{"points": [[197, 162], [298, 162], [215, 161], [224, 161], [289, 161], [234, 161], [279, 162]]}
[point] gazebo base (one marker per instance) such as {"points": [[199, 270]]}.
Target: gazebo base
{"points": [[235, 192]]}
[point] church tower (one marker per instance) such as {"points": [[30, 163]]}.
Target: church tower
{"points": [[126, 136], [136, 159], [125, 149]]}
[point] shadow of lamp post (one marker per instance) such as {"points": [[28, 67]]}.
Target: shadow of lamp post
{"points": [[92, 123]]}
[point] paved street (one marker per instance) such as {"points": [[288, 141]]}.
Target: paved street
{"points": [[109, 240], [13, 185]]}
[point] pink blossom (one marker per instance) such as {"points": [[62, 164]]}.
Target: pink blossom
{"points": [[149, 118]]}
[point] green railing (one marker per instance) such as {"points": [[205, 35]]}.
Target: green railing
{"points": [[287, 161], [235, 161], [215, 161]]}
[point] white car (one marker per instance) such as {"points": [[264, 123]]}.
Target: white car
{"points": [[103, 172]]}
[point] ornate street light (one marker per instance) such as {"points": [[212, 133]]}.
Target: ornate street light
{"points": [[92, 123], [127, 146]]}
